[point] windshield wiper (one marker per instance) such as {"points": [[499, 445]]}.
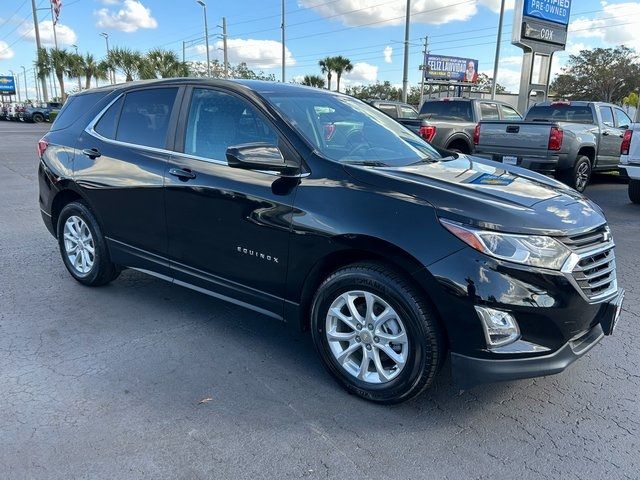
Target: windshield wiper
{"points": [[366, 163]]}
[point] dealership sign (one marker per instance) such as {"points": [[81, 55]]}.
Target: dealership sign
{"points": [[455, 69], [556, 11], [544, 33], [7, 85]]}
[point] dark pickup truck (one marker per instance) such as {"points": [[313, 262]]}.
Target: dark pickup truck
{"points": [[39, 113], [406, 115]]}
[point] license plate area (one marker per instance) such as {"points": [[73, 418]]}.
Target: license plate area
{"points": [[509, 160]]}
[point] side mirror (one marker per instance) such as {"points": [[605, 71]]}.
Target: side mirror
{"points": [[260, 156]]}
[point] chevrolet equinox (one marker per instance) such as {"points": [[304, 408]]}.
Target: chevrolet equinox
{"points": [[316, 209]]}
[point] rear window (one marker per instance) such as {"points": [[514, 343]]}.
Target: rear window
{"points": [[560, 113], [74, 108], [448, 110]]}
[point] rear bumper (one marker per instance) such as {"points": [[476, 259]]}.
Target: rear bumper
{"points": [[471, 371], [633, 171], [538, 162]]}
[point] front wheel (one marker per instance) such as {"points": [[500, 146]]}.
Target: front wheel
{"points": [[38, 118], [634, 191], [376, 334], [579, 176], [83, 247]]}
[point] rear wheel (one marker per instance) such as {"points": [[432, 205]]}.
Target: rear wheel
{"points": [[83, 247], [634, 191], [376, 334], [38, 118], [579, 176]]}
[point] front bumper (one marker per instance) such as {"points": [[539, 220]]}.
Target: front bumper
{"points": [[468, 371]]}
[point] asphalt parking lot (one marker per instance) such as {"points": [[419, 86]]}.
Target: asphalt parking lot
{"points": [[140, 379]]}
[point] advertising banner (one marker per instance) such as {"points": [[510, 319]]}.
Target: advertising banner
{"points": [[456, 69], [7, 85], [556, 11]]}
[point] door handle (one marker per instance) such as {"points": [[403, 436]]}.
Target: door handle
{"points": [[91, 153], [606, 133], [182, 173]]}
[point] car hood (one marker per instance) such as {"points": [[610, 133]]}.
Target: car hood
{"points": [[490, 195]]}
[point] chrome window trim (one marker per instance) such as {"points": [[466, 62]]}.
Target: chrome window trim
{"points": [[90, 129]]}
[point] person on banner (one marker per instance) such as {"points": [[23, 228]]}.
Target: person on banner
{"points": [[470, 74]]}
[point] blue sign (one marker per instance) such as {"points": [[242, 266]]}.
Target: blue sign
{"points": [[556, 11], [439, 67], [7, 85]]}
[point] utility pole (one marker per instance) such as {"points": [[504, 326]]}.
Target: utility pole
{"points": [[24, 75], [112, 76], [53, 24], [224, 47], [405, 71], [206, 34], [183, 51], [283, 47], [38, 46], [424, 69], [35, 80], [494, 82]]}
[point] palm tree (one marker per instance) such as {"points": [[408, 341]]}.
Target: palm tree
{"points": [[102, 71], [326, 66], [313, 81], [129, 61], [165, 64], [341, 65], [89, 67], [59, 61], [75, 68]]}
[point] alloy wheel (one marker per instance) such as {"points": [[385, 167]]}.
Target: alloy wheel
{"points": [[79, 245], [582, 176]]}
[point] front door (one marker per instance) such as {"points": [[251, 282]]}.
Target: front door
{"points": [[610, 139], [228, 228]]}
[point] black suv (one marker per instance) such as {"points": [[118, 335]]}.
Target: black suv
{"points": [[392, 253]]}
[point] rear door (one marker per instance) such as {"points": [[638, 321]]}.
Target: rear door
{"points": [[121, 169], [610, 138], [228, 228]]}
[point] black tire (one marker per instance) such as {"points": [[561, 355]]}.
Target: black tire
{"points": [[426, 345], [102, 270], [634, 191], [579, 176], [37, 118]]}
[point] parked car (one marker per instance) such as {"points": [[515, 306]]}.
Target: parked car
{"points": [[13, 111], [567, 139], [630, 160], [406, 115], [39, 113], [4, 111], [450, 122], [392, 254]]}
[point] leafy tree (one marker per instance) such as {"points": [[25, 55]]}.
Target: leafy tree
{"points": [[162, 63], [102, 71], [382, 91], [327, 67], [631, 99], [313, 81], [89, 67], [605, 74], [484, 84], [128, 61], [199, 69], [341, 65], [57, 61]]}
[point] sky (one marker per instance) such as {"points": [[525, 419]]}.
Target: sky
{"points": [[369, 32]]}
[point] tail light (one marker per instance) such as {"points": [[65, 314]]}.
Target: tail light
{"points": [[476, 134], [556, 135], [626, 142], [42, 146], [427, 132]]}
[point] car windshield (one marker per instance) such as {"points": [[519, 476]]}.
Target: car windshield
{"points": [[347, 130]]}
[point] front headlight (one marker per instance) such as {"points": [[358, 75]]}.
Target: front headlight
{"points": [[534, 250]]}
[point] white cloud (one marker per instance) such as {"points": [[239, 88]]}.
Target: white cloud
{"points": [[388, 52], [257, 53], [362, 72], [64, 34], [613, 25], [383, 14], [5, 51], [507, 77], [132, 16]]}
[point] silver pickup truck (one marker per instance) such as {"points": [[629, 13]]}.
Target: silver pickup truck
{"points": [[567, 139]]}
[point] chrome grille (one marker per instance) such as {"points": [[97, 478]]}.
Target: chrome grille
{"points": [[593, 265]]}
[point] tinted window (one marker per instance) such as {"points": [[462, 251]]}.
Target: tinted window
{"points": [[489, 111], [455, 110], [408, 112], [622, 119], [607, 116], [74, 108], [218, 120], [108, 123], [354, 131], [560, 113], [388, 109], [509, 113], [145, 117]]}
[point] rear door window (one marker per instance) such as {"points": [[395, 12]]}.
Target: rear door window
{"points": [[622, 119], [408, 112], [509, 113], [607, 116], [218, 120], [108, 123], [74, 108], [389, 109], [145, 115], [489, 111]]}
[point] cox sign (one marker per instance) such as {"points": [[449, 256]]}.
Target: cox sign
{"points": [[556, 11]]}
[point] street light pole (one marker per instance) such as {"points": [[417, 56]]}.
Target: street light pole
{"points": [[494, 82], [111, 73], [206, 34], [284, 50], [24, 75], [224, 47], [79, 80], [405, 71], [38, 46]]}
